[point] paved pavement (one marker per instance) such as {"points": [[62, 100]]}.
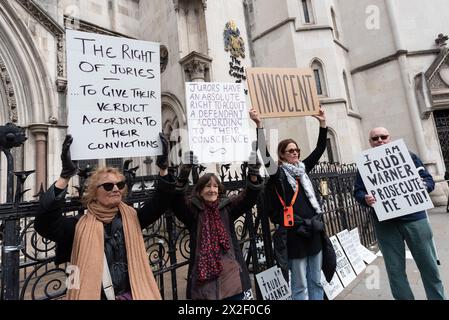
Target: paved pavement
{"points": [[369, 286]]}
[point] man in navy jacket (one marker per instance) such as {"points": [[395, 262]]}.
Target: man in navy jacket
{"points": [[414, 229]]}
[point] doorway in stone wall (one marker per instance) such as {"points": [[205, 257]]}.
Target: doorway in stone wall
{"points": [[442, 124]]}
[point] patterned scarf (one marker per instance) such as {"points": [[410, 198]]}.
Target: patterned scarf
{"points": [[88, 253], [292, 171], [214, 241]]}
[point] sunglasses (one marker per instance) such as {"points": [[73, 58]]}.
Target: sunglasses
{"points": [[108, 186], [293, 150], [381, 137]]}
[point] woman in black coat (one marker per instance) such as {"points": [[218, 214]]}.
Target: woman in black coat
{"points": [[297, 239], [105, 244], [217, 269]]}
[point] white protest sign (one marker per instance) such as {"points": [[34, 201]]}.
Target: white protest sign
{"points": [[218, 121], [272, 285], [344, 269], [390, 175], [333, 288], [366, 254], [351, 251], [114, 96]]}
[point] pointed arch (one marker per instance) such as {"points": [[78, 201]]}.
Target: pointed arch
{"points": [[334, 24], [347, 91], [174, 124], [332, 152], [307, 11], [29, 78], [320, 77]]}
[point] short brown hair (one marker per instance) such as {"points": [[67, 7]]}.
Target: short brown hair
{"points": [[282, 146], [203, 181], [91, 191]]}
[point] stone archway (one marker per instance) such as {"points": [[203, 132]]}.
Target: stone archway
{"points": [[28, 91], [174, 124]]}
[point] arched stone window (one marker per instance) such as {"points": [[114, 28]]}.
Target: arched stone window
{"points": [[307, 12], [331, 155], [347, 91], [320, 79], [334, 25]]}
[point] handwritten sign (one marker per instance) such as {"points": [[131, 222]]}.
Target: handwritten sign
{"points": [[218, 121], [282, 92], [390, 175], [114, 96], [344, 269], [366, 254], [272, 284], [333, 288], [351, 251]]}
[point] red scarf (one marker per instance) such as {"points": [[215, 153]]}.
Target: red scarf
{"points": [[214, 240]]}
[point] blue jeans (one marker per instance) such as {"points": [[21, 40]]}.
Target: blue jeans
{"points": [[306, 278], [391, 235]]}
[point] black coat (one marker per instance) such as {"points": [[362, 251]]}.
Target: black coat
{"points": [[287, 244], [189, 210]]}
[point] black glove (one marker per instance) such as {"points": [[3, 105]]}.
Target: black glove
{"points": [[162, 160], [188, 161], [69, 167], [253, 164]]}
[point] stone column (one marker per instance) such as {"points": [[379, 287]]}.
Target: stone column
{"points": [[40, 132], [196, 67]]}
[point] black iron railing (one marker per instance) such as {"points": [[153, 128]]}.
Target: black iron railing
{"points": [[27, 261]]}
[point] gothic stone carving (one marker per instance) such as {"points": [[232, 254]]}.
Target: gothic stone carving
{"points": [[7, 86]]}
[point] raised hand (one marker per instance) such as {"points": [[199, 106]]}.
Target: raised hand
{"points": [[188, 161], [162, 160], [321, 117], [254, 115], [69, 167]]}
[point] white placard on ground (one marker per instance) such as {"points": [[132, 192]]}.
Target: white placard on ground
{"points": [[367, 255], [114, 96], [344, 269], [351, 251], [332, 289], [390, 175], [272, 285], [218, 121]]}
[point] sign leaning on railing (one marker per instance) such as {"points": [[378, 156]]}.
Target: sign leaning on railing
{"points": [[390, 175], [272, 284], [114, 96]]}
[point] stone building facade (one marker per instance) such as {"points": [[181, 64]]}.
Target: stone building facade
{"points": [[376, 63]]}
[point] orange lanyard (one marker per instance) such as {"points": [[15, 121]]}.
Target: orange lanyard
{"points": [[288, 210]]}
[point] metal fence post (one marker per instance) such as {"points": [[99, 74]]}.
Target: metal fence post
{"points": [[10, 136], [10, 252]]}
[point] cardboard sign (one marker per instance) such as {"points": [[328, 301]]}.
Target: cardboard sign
{"points": [[280, 92], [218, 121], [344, 269], [351, 251], [390, 175], [272, 285], [366, 254], [333, 288], [114, 96]]}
